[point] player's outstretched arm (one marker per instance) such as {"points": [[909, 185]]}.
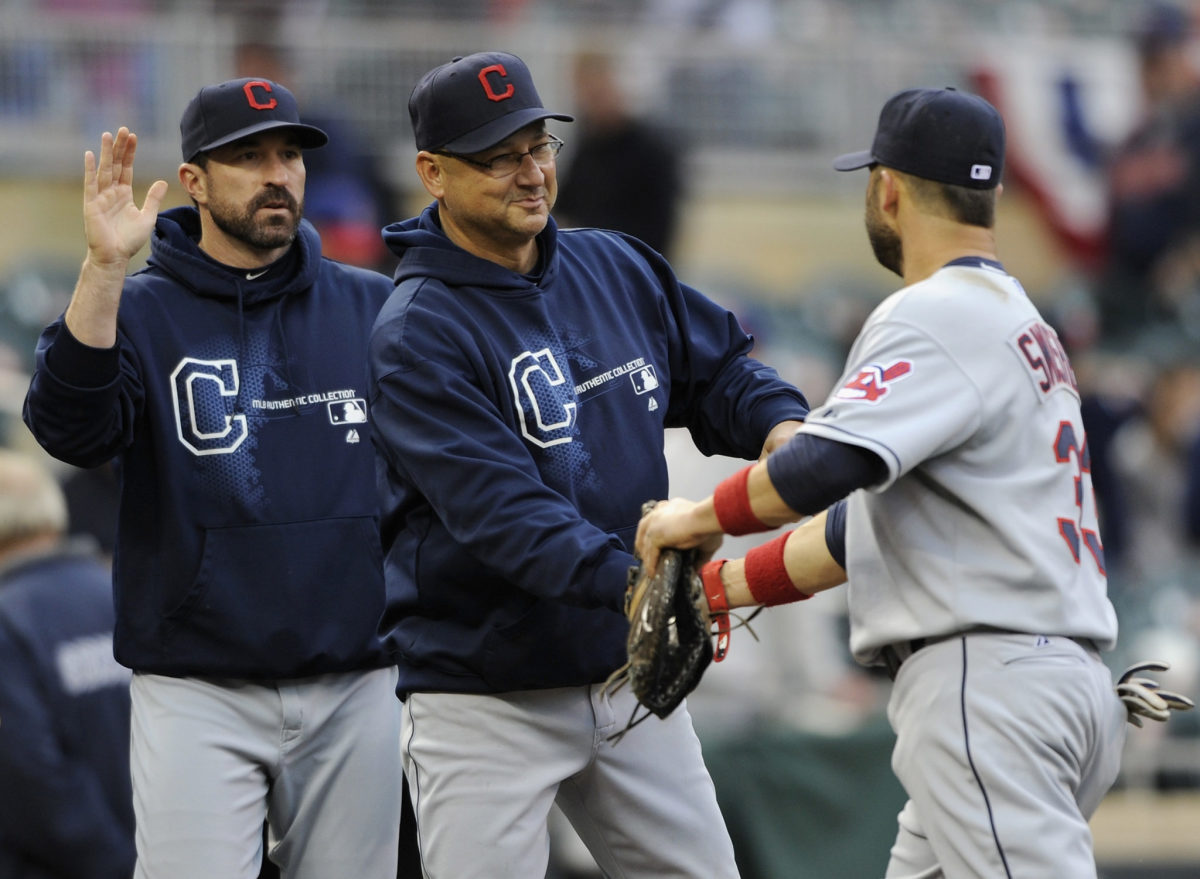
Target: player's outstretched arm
{"points": [[807, 566], [116, 229], [743, 504]]}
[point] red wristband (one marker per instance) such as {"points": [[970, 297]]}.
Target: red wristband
{"points": [[731, 503], [718, 604], [767, 577]]}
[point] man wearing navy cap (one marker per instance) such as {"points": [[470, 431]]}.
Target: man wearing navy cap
{"points": [[975, 564], [522, 377], [247, 575]]}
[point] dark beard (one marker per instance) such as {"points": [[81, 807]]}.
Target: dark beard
{"points": [[889, 251], [262, 235]]}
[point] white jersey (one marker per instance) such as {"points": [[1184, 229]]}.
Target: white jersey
{"points": [[988, 518]]}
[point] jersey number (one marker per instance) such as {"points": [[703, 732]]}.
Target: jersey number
{"points": [[1069, 450]]}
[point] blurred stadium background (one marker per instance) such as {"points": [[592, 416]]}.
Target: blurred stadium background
{"points": [[758, 96]]}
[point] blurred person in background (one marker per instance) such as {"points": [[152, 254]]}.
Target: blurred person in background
{"points": [[66, 807], [1151, 273], [247, 577], [623, 174], [346, 196], [1151, 456]]}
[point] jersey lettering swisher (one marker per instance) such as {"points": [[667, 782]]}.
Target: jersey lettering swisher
{"points": [[916, 388]]}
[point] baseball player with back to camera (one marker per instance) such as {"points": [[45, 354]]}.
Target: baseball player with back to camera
{"points": [[976, 572], [248, 579]]}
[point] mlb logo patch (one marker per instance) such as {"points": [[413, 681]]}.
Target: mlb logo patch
{"points": [[874, 381], [348, 411], [644, 380]]}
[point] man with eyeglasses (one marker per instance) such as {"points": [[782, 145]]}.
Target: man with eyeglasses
{"points": [[522, 377]]}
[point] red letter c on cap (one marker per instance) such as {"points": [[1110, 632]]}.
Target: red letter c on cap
{"points": [[487, 86], [253, 100]]}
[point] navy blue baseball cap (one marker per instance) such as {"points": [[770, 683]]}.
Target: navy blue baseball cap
{"points": [[474, 102], [223, 113], [937, 134]]}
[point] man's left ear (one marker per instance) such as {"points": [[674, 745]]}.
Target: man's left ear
{"points": [[888, 191]]}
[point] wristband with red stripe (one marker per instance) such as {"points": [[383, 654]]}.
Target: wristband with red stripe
{"points": [[731, 503], [767, 577], [718, 604]]}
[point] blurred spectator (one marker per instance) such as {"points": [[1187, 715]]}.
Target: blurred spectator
{"points": [[346, 196], [1150, 458], [66, 806], [620, 171], [1153, 264]]}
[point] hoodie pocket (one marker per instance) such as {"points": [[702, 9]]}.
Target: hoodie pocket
{"points": [[282, 600]]}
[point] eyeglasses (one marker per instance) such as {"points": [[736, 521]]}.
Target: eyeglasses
{"points": [[510, 163]]}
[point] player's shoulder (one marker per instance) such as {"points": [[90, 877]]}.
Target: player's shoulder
{"points": [[960, 299], [587, 242]]}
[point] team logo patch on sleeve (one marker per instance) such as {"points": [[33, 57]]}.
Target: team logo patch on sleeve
{"points": [[874, 382]]}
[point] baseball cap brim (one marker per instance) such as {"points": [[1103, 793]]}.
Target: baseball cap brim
{"points": [[309, 136], [495, 131], [854, 161]]}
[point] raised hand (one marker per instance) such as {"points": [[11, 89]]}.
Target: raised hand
{"points": [[115, 227]]}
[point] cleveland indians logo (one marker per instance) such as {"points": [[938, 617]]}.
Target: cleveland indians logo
{"points": [[501, 73], [202, 392], [873, 382], [544, 400], [254, 101]]}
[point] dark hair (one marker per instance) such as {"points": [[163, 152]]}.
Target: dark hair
{"points": [[972, 207]]}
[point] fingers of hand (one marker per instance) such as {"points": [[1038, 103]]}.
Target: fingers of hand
{"points": [[154, 197], [1144, 697], [660, 528], [105, 165], [1139, 667]]}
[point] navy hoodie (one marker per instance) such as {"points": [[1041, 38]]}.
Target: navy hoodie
{"points": [[519, 427], [66, 806], [247, 540]]}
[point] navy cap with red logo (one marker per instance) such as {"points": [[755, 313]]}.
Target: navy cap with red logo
{"points": [[936, 134], [474, 102], [228, 111]]}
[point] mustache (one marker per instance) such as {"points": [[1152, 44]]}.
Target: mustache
{"points": [[273, 195]]}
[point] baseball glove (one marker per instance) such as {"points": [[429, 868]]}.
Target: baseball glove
{"points": [[670, 640], [1144, 698]]}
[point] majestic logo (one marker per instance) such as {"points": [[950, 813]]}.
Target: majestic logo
{"points": [[268, 103], [201, 390], [501, 73], [873, 382]]}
